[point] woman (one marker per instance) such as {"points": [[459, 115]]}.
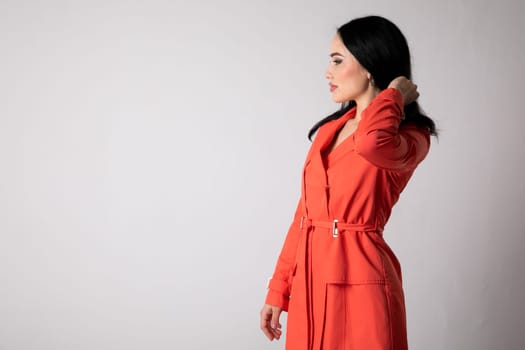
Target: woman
{"points": [[336, 276]]}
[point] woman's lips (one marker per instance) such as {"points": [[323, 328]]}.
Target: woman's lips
{"points": [[332, 87]]}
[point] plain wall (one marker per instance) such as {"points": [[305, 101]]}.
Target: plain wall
{"points": [[150, 159]]}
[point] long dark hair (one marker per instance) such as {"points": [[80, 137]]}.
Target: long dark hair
{"points": [[381, 48]]}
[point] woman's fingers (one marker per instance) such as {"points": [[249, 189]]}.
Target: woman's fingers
{"points": [[411, 95], [270, 322], [407, 88], [266, 317], [276, 326]]}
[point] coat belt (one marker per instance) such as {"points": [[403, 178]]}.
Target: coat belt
{"points": [[336, 226]]}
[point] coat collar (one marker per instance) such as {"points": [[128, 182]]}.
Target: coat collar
{"points": [[327, 132]]}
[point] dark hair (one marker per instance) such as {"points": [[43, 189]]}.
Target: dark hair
{"points": [[381, 48]]}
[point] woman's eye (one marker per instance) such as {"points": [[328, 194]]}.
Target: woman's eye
{"points": [[336, 62]]}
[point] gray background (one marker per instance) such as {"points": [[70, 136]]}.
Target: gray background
{"points": [[150, 159]]}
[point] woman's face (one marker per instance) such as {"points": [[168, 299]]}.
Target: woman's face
{"points": [[348, 79]]}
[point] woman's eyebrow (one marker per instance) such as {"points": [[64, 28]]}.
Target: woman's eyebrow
{"points": [[336, 54]]}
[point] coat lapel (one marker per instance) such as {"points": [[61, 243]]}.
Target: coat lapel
{"points": [[326, 135], [314, 172]]}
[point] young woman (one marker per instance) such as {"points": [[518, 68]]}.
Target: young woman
{"points": [[338, 279]]}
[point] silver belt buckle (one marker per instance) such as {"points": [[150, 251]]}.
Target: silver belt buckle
{"points": [[335, 232]]}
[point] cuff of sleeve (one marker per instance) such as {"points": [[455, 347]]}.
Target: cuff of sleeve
{"points": [[395, 95], [275, 298], [278, 286], [388, 94]]}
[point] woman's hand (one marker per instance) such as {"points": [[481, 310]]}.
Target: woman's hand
{"points": [[270, 321], [406, 87]]}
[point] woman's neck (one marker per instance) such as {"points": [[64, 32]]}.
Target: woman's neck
{"points": [[364, 100]]}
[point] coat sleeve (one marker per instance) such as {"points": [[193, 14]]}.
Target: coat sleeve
{"points": [[380, 140], [280, 283]]}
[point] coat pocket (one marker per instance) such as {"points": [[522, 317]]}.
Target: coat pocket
{"points": [[356, 316]]}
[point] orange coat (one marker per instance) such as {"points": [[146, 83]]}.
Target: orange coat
{"points": [[338, 279]]}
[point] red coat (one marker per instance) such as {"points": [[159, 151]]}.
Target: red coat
{"points": [[338, 279]]}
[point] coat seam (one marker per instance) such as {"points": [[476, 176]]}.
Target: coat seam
{"points": [[386, 287], [389, 316]]}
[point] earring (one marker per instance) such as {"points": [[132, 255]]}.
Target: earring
{"points": [[370, 78]]}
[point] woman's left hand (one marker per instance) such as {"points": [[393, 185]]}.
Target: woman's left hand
{"points": [[407, 88]]}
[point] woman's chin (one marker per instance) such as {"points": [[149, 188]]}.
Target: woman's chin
{"points": [[337, 99]]}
